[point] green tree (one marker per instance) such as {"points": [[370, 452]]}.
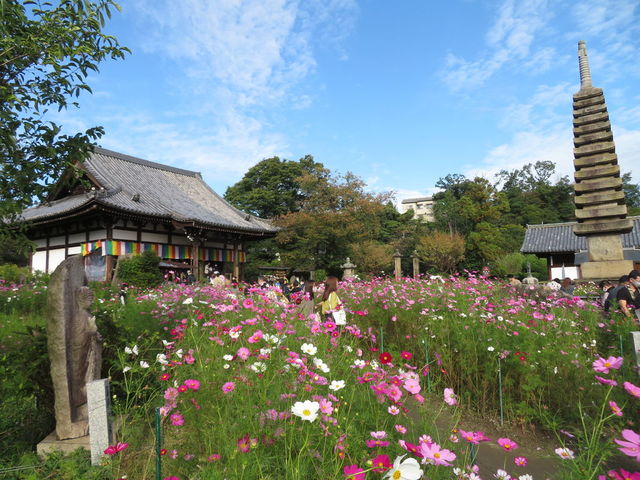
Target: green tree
{"points": [[631, 194], [441, 250], [47, 52], [272, 187], [336, 212]]}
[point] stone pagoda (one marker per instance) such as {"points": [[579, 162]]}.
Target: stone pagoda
{"points": [[601, 212]]}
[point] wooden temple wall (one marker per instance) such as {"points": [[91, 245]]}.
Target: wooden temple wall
{"points": [[61, 241]]}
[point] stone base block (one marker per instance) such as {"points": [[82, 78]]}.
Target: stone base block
{"points": [[52, 444], [610, 269]]}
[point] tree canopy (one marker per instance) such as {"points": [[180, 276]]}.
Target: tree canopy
{"points": [[47, 52], [272, 187]]}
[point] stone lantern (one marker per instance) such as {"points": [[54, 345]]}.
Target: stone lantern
{"points": [[348, 269], [415, 260], [397, 267]]}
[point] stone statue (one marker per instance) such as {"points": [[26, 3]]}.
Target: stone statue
{"points": [[74, 346]]}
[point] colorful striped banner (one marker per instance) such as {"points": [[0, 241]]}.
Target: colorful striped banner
{"points": [[87, 248], [175, 252]]}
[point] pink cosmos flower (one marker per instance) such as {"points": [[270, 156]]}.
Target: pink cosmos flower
{"points": [[113, 449], [213, 457], [602, 365], [434, 454], [401, 429], [606, 381], [507, 444], [520, 461], [248, 303], [632, 389], [393, 410], [374, 442], [630, 445], [615, 409], [192, 384], [255, 337], [622, 475], [412, 386], [406, 355], [380, 435], [450, 397], [353, 472], [244, 443], [228, 387], [243, 353], [177, 420], [326, 406]]}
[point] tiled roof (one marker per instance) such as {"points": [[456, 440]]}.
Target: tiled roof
{"points": [[559, 237], [151, 189], [415, 200]]}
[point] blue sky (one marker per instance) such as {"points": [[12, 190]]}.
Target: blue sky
{"points": [[400, 92]]}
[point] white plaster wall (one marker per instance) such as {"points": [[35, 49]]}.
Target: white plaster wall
{"points": [[56, 256], [77, 238], [180, 240], [74, 250], [125, 235], [98, 235], [155, 237], [54, 241], [39, 262]]}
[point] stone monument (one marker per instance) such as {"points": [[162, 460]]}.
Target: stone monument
{"points": [[74, 347], [601, 212], [397, 265], [348, 269]]}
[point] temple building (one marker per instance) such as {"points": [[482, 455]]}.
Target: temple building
{"points": [[125, 205], [566, 252]]}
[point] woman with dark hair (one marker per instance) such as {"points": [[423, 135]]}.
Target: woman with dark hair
{"points": [[330, 300], [306, 298]]}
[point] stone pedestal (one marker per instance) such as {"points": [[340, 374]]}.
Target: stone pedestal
{"points": [[415, 262], [52, 444], [606, 269], [100, 431]]}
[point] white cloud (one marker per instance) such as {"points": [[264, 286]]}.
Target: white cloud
{"points": [[510, 38], [528, 147]]}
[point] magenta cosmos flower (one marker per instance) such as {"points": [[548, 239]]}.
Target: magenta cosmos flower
{"points": [[603, 365], [630, 445], [228, 387], [113, 449], [354, 472], [507, 444]]}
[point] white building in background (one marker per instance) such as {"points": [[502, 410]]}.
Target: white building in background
{"points": [[422, 207]]}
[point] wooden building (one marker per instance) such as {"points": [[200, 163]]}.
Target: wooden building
{"points": [[125, 205], [565, 251]]}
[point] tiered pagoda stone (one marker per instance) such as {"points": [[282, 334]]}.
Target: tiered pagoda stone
{"points": [[601, 212]]}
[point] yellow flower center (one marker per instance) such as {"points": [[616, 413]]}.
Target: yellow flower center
{"points": [[607, 364], [306, 413], [396, 475], [436, 455]]}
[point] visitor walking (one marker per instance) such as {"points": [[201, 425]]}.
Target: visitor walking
{"points": [[306, 299], [331, 302], [629, 296]]}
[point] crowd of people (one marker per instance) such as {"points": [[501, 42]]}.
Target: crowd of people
{"points": [[626, 294]]}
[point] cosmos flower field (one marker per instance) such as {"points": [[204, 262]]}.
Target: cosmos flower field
{"points": [[247, 387]]}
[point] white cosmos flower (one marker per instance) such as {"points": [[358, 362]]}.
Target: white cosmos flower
{"points": [[131, 351], [179, 353], [309, 348], [162, 359], [126, 369], [258, 367], [188, 301], [404, 470], [144, 364], [227, 358], [225, 366], [565, 453], [491, 349], [235, 334], [167, 344], [336, 385], [306, 410], [320, 365]]}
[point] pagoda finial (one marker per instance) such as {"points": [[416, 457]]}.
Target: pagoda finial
{"points": [[583, 60]]}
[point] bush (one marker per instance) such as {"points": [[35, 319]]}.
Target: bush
{"points": [[142, 270], [14, 274]]}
